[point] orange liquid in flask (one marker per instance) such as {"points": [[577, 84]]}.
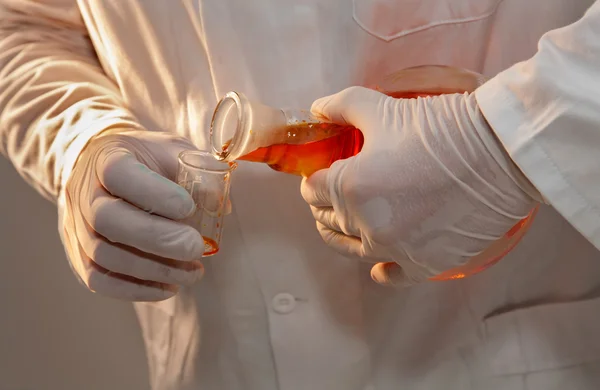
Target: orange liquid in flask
{"points": [[325, 144], [315, 146]]}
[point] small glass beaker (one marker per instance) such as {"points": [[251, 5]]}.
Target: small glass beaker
{"points": [[208, 181]]}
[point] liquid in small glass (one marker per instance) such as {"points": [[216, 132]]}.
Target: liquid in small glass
{"points": [[208, 182]]}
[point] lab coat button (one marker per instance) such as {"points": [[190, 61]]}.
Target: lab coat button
{"points": [[284, 303]]}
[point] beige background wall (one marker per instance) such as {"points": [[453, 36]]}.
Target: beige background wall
{"points": [[53, 333]]}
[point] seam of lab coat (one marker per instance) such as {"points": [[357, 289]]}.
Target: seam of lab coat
{"points": [[433, 24], [268, 314]]}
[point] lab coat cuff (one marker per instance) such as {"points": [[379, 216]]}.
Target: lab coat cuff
{"points": [[515, 127]]}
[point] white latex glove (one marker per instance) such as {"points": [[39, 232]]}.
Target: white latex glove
{"points": [[431, 188], [122, 226]]}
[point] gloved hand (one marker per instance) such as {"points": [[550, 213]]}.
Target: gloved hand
{"points": [[122, 226], [431, 188]]}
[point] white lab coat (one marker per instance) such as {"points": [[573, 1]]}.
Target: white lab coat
{"points": [[277, 308]]}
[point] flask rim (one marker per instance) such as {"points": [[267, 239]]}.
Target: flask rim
{"points": [[432, 78], [219, 151]]}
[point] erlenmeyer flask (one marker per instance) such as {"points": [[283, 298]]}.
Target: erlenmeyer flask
{"points": [[294, 141]]}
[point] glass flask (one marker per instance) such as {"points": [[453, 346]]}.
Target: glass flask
{"points": [[296, 142]]}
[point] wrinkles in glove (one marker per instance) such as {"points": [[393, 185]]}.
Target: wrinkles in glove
{"points": [[122, 223], [431, 188]]}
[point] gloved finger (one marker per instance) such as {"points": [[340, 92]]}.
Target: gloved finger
{"points": [[122, 175], [315, 189], [123, 223], [327, 217], [341, 243], [355, 106], [391, 274], [132, 262], [348, 246], [127, 288], [104, 282]]}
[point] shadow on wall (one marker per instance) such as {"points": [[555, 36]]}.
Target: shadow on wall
{"points": [[53, 333]]}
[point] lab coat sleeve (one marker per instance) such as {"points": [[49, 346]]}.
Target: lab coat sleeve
{"points": [[546, 112], [54, 95]]}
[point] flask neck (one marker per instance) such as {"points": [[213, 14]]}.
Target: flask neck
{"points": [[240, 126]]}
